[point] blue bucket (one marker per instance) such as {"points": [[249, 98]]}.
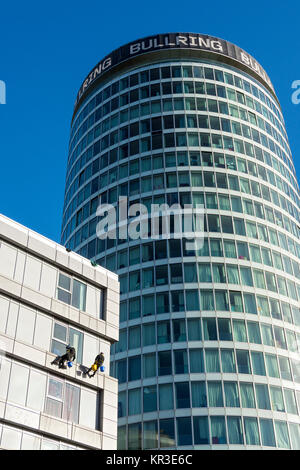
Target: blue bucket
{"points": [[102, 368], [70, 364]]}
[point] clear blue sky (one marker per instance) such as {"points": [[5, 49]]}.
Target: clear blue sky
{"points": [[47, 49]]}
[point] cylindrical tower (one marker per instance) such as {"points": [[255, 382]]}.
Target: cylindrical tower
{"points": [[209, 345]]}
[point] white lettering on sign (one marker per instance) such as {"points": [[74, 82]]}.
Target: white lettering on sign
{"points": [[181, 40], [135, 48], [192, 41], [105, 64], [202, 43], [217, 46]]}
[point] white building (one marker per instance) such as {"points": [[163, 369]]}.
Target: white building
{"points": [[50, 298]]}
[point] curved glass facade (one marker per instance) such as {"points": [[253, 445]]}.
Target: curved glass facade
{"points": [[208, 355]]}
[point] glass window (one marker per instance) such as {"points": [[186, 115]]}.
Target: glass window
{"points": [[219, 273], [149, 365], [247, 395], [215, 394], [121, 370], [163, 332], [231, 394], [149, 399], [207, 300], [282, 435], [201, 434], [214, 223], [262, 396], [212, 361], [255, 254], [196, 361], [232, 274], [210, 329], [224, 327], [290, 401], [246, 276], [194, 329], [122, 404], [263, 306], [218, 431], [295, 435], [272, 365], [277, 399], [284, 367], [134, 401], [184, 431], [235, 430], [192, 300], [239, 331], [76, 340], [204, 272], [134, 337], [179, 330], [71, 336], [148, 334], [166, 401], [279, 337], [228, 361], [199, 398], [190, 272], [164, 363], [251, 431], [177, 301], [134, 368], [230, 250], [134, 436], [250, 304], [267, 334], [180, 361], [176, 273], [150, 435], [182, 395], [79, 295], [162, 303], [64, 282], [267, 432], [216, 248], [254, 332], [222, 300], [167, 433], [243, 362], [148, 305], [259, 280], [134, 308], [258, 365], [60, 332]]}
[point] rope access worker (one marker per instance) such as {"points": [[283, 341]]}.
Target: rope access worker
{"points": [[68, 357], [98, 363]]}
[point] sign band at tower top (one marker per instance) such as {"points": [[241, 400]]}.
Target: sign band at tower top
{"points": [[173, 41]]}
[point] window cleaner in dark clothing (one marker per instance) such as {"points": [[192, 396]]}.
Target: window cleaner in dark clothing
{"points": [[97, 364], [69, 357]]}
